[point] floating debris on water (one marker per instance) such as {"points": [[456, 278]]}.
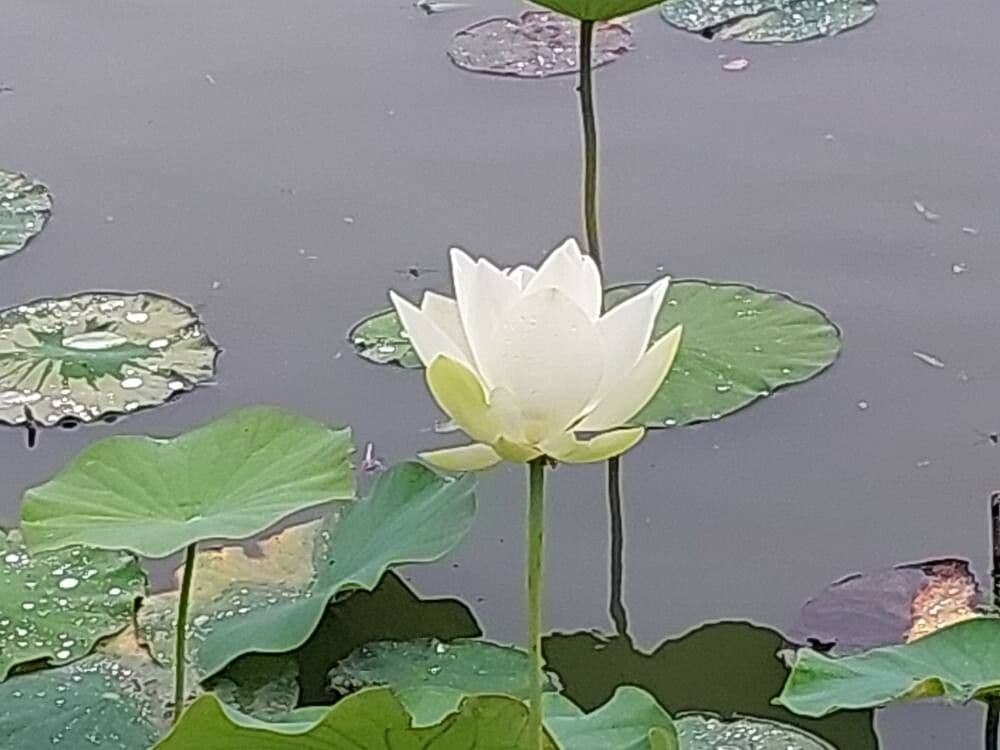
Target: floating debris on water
{"points": [[430, 7], [929, 215], [929, 359], [736, 65], [538, 44], [371, 463]]}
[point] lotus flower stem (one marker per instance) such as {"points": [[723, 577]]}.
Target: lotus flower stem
{"points": [[993, 704], [180, 638], [617, 605], [536, 535], [586, 90]]}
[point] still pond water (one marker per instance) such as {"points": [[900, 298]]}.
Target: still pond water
{"points": [[279, 165]]}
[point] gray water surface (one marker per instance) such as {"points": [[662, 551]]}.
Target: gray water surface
{"points": [[200, 144]]}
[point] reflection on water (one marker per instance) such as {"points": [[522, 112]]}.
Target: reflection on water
{"points": [[726, 667]]}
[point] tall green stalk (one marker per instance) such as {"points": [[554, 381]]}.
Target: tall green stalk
{"points": [[536, 537], [586, 90], [588, 115], [180, 637]]}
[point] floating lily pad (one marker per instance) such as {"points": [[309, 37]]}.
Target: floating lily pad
{"points": [[113, 703], [888, 607], [957, 663], [96, 354], [272, 602], [24, 208], [631, 720], [55, 606], [371, 719], [229, 479], [431, 677], [768, 21], [740, 344], [708, 732], [538, 44]]}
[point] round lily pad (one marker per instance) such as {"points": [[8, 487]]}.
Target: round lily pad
{"points": [[55, 606], [84, 357], [537, 44], [768, 21], [25, 206], [739, 344], [708, 732]]}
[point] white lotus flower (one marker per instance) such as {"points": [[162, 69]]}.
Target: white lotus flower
{"points": [[525, 363]]}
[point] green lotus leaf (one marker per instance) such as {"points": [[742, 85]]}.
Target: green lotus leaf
{"points": [[710, 732], [371, 719], [271, 603], [98, 702], [431, 677], [740, 344], [631, 720], [957, 663], [768, 21], [84, 357], [55, 606], [25, 206], [229, 479], [596, 10]]}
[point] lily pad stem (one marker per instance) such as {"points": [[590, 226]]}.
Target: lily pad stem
{"points": [[993, 704], [586, 89], [536, 536], [180, 638]]}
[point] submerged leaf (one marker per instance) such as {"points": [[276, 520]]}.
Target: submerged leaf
{"points": [[113, 703], [25, 206], [84, 357], [264, 687], [55, 606], [888, 607], [229, 479], [768, 21], [538, 44], [273, 602], [431, 677], [371, 719], [957, 663]]}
